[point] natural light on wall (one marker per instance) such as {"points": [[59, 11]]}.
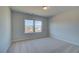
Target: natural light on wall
{"points": [[32, 26]]}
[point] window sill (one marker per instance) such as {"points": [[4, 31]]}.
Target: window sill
{"points": [[33, 33]]}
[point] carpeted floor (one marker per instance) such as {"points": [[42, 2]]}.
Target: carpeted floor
{"points": [[44, 45]]}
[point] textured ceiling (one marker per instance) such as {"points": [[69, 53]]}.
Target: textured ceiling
{"points": [[51, 11]]}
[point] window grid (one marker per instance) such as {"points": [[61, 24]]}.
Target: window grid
{"points": [[39, 27]]}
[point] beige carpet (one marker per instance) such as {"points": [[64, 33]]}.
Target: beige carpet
{"points": [[44, 45]]}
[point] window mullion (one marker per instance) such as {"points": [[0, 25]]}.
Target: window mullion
{"points": [[34, 25]]}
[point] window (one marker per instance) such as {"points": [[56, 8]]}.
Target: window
{"points": [[33, 26], [28, 26], [38, 25]]}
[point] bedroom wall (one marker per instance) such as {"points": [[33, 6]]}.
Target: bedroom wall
{"points": [[5, 29], [18, 26], [65, 26]]}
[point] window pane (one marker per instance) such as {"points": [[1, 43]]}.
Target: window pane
{"points": [[28, 26], [38, 26]]}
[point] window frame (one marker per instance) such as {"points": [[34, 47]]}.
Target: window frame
{"points": [[33, 26]]}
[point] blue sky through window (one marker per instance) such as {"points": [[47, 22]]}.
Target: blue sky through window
{"points": [[28, 22]]}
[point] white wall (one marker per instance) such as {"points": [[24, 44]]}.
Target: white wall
{"points": [[18, 27], [65, 26], [5, 29]]}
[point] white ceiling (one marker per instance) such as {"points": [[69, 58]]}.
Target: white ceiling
{"points": [[51, 11]]}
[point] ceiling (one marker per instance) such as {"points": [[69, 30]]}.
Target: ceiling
{"points": [[51, 11]]}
